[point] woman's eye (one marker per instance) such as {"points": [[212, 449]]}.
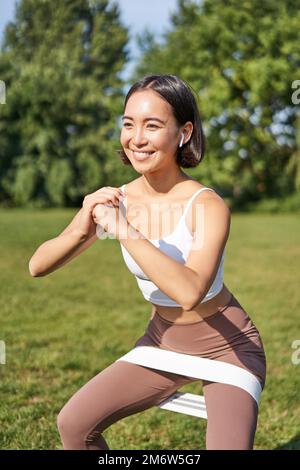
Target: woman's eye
{"points": [[128, 124]]}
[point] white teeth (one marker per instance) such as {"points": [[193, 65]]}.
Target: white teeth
{"points": [[142, 155]]}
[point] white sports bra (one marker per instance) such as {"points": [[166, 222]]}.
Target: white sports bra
{"points": [[176, 245]]}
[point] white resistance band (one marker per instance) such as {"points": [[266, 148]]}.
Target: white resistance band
{"points": [[193, 366]]}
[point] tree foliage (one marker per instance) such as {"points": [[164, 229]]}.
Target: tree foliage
{"points": [[241, 58], [61, 62]]}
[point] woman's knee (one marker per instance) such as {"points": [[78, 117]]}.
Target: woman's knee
{"points": [[70, 428], [76, 436], [64, 422]]}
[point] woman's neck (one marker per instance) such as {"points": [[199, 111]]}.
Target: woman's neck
{"points": [[157, 186]]}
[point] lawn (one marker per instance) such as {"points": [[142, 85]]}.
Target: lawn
{"points": [[62, 329]]}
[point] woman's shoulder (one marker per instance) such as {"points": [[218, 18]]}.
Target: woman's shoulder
{"points": [[211, 201], [208, 193], [214, 206]]}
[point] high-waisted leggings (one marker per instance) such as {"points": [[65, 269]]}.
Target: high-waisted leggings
{"points": [[124, 388]]}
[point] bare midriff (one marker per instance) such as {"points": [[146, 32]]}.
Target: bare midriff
{"points": [[202, 311]]}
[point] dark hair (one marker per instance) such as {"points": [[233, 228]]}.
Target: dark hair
{"points": [[180, 96]]}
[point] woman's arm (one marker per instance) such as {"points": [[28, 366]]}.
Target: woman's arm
{"points": [[77, 236], [187, 283], [58, 251], [174, 279]]}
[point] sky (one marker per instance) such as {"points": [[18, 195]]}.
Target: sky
{"points": [[135, 14]]}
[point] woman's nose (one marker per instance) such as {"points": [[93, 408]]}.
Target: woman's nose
{"points": [[138, 137]]}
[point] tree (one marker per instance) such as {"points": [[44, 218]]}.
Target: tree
{"points": [[241, 58], [61, 62]]}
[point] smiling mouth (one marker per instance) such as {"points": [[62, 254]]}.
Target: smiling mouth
{"points": [[141, 156]]}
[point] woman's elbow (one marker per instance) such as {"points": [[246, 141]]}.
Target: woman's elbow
{"points": [[194, 299], [34, 270], [189, 302]]}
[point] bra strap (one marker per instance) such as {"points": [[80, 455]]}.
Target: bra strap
{"points": [[191, 200]]}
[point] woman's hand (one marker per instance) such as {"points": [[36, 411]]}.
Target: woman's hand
{"points": [[86, 226], [111, 219]]}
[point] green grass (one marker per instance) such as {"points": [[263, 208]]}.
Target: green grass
{"points": [[63, 329]]}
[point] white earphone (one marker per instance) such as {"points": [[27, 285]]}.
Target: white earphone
{"points": [[181, 140]]}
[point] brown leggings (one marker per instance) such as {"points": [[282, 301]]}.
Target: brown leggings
{"points": [[123, 388]]}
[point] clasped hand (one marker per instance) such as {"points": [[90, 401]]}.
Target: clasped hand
{"points": [[111, 219]]}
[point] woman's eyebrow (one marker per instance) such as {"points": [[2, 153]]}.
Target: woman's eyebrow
{"points": [[146, 119]]}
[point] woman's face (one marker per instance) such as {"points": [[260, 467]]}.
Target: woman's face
{"points": [[150, 134]]}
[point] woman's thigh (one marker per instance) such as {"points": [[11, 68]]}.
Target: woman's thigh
{"points": [[231, 417], [118, 391]]}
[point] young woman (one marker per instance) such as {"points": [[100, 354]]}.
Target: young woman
{"points": [[172, 231]]}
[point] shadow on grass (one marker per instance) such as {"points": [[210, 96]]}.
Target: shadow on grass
{"points": [[293, 444]]}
